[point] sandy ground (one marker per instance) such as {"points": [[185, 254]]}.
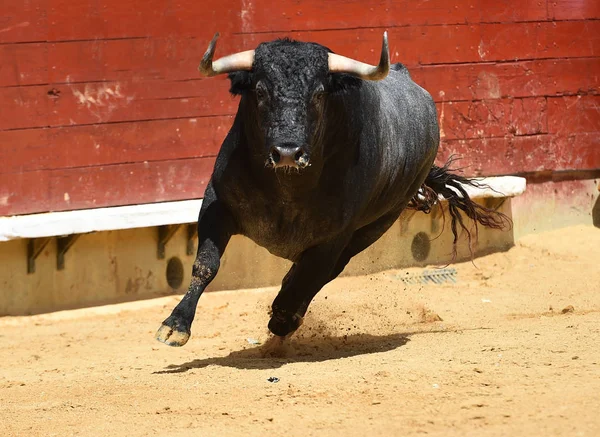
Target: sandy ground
{"points": [[372, 358]]}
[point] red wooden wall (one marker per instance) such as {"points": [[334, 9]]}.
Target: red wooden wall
{"points": [[101, 103]]}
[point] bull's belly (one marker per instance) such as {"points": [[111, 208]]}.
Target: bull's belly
{"points": [[289, 239], [281, 250], [287, 245]]}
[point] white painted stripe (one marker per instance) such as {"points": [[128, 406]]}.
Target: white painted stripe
{"points": [[167, 213]]}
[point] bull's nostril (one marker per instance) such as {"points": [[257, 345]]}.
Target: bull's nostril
{"points": [[275, 156], [287, 155]]}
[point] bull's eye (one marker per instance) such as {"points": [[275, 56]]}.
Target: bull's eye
{"points": [[319, 95], [261, 92]]}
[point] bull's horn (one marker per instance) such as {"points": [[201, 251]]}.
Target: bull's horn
{"points": [[227, 64], [341, 64]]}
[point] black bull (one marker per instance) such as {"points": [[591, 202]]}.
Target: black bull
{"points": [[324, 154]]}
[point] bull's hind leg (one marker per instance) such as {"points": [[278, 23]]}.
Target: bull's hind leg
{"points": [[361, 239], [215, 227], [317, 267]]}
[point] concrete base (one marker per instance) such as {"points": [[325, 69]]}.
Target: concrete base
{"points": [[122, 265], [552, 205], [117, 266]]}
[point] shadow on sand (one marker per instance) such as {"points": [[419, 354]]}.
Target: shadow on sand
{"points": [[299, 350]]}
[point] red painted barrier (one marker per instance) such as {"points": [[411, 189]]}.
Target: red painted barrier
{"points": [[101, 103]]}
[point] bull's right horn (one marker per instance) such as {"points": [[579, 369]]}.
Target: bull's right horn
{"points": [[236, 62], [342, 64]]}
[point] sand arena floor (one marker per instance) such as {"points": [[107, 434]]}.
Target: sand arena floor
{"points": [[515, 353]]}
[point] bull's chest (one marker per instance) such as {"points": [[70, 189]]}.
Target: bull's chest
{"points": [[286, 229]]}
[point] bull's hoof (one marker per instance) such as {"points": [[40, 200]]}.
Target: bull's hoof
{"points": [[172, 333], [282, 324]]}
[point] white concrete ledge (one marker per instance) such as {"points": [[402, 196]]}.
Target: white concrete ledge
{"points": [[498, 186], [167, 213], [52, 224]]}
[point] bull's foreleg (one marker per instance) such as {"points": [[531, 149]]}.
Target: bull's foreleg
{"points": [[302, 283], [215, 228]]}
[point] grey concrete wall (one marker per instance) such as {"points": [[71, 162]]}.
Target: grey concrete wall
{"points": [[116, 266], [551, 205]]}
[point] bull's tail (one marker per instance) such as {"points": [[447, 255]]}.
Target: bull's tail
{"points": [[441, 182]]}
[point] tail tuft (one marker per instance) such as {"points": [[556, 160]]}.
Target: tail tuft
{"points": [[440, 181]]}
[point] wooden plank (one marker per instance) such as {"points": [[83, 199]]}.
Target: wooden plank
{"points": [[60, 20], [492, 118], [575, 114], [22, 20], [92, 187], [105, 102], [510, 11], [64, 20], [574, 9], [77, 188], [518, 155], [568, 39], [133, 59], [515, 79], [22, 149], [439, 45], [579, 151], [23, 107], [60, 105], [132, 18], [293, 15], [105, 144], [23, 64], [177, 58]]}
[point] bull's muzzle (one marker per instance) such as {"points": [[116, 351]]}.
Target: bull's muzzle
{"points": [[288, 155]]}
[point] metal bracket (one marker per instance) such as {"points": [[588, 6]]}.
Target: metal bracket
{"points": [[165, 233], [192, 232], [35, 246], [63, 244], [494, 203]]}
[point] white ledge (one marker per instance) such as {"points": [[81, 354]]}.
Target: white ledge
{"points": [[53, 224], [497, 186]]}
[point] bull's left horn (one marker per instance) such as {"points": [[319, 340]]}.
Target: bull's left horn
{"points": [[236, 62], [341, 64]]}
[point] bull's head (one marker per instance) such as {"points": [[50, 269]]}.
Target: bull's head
{"points": [[288, 84]]}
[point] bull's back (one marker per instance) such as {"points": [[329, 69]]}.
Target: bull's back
{"points": [[402, 141], [411, 111]]}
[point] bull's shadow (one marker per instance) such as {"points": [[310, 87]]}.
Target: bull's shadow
{"points": [[299, 350]]}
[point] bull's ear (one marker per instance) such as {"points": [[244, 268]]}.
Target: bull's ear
{"points": [[241, 81], [340, 82]]}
